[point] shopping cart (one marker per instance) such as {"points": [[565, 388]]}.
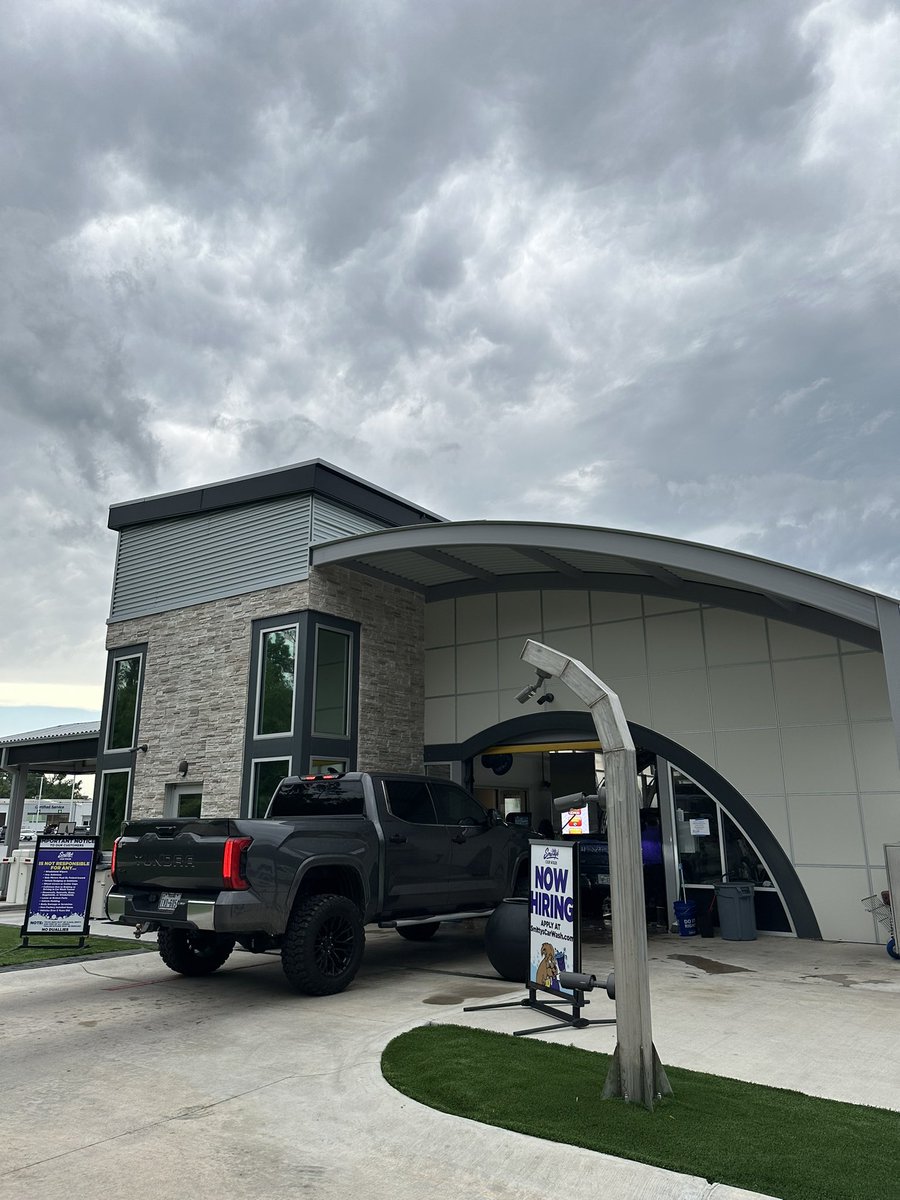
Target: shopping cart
{"points": [[880, 908]]}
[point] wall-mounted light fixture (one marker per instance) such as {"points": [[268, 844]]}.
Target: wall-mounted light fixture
{"points": [[143, 749], [183, 768]]}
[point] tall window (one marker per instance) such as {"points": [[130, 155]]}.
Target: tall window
{"points": [[267, 774], [277, 675], [331, 689], [123, 706], [113, 806]]}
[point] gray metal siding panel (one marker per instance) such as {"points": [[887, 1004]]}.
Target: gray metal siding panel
{"points": [[330, 521], [174, 564]]}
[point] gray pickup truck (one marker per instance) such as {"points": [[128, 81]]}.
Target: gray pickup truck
{"points": [[333, 854]]}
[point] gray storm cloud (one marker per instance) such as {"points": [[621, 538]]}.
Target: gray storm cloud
{"points": [[631, 264]]}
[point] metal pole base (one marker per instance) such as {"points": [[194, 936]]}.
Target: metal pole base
{"points": [[659, 1082]]}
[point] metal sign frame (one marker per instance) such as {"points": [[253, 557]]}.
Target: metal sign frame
{"points": [[83, 876]]}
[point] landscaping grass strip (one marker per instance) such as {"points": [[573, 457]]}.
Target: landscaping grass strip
{"points": [[12, 953], [765, 1139]]}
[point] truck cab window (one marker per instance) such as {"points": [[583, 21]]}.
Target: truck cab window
{"points": [[409, 800], [456, 807]]}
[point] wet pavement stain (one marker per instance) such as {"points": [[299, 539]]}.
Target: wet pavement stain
{"points": [[710, 965], [845, 980], [458, 995]]}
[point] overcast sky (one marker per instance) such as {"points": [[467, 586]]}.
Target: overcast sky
{"points": [[626, 263]]}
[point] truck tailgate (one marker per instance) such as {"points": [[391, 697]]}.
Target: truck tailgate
{"points": [[181, 854]]}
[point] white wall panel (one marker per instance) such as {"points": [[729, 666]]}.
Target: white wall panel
{"points": [[614, 606], [817, 759], [574, 642], [835, 895], [810, 692], [733, 637], [876, 757], [476, 618], [881, 823], [679, 700], [827, 830], [476, 667], [866, 687], [743, 696], [662, 604], [518, 612], [618, 648], [564, 609], [675, 643], [513, 671], [440, 623], [634, 693], [440, 672], [789, 641], [475, 712], [773, 810], [702, 744], [440, 720], [751, 760]]}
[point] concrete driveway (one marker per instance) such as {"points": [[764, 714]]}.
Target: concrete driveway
{"points": [[123, 1079]]}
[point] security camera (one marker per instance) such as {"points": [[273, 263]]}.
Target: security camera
{"points": [[527, 692], [547, 698]]}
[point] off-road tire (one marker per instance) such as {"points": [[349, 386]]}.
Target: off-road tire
{"points": [[191, 953], [323, 945], [419, 933]]}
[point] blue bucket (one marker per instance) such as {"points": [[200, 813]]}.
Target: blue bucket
{"points": [[686, 916]]}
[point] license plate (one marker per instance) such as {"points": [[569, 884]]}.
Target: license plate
{"points": [[169, 901]]}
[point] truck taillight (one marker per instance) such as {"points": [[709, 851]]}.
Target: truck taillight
{"points": [[233, 862], [112, 865]]}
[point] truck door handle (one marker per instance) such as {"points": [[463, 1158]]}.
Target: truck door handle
{"points": [[396, 839]]}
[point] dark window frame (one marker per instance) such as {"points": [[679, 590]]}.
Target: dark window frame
{"points": [[112, 697], [121, 758], [261, 663], [102, 799], [301, 745]]}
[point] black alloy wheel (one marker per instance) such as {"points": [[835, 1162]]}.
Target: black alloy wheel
{"points": [[323, 944]]}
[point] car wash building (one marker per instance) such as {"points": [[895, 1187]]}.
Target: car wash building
{"points": [[304, 619]]}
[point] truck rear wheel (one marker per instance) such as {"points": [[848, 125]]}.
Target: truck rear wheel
{"points": [[323, 945], [418, 933], [191, 953]]}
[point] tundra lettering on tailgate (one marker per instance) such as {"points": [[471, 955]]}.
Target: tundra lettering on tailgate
{"points": [[164, 860]]}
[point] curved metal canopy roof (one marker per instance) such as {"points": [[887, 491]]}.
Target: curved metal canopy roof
{"points": [[461, 558]]}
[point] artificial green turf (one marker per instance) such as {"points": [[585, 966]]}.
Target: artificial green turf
{"points": [[38, 949], [765, 1139]]}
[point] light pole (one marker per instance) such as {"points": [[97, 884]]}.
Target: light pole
{"points": [[636, 1074]]}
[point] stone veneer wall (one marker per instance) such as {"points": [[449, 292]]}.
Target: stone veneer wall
{"points": [[194, 701], [392, 664], [196, 673]]}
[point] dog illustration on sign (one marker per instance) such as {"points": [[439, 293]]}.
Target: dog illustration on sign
{"points": [[548, 969]]}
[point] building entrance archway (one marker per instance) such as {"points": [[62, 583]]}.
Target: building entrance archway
{"points": [[685, 783]]}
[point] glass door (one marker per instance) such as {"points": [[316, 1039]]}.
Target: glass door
{"points": [[710, 847]]}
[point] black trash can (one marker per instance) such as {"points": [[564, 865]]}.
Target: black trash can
{"points": [[737, 916]]}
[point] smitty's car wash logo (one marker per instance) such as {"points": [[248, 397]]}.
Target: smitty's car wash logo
{"points": [[551, 854]]}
